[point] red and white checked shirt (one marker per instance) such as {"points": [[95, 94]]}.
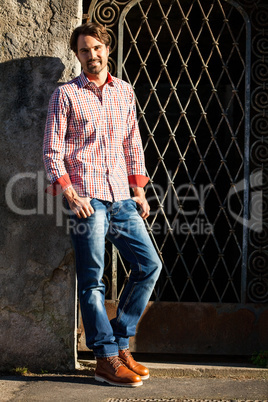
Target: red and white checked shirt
{"points": [[92, 140]]}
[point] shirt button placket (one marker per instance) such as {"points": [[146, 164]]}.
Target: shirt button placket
{"points": [[106, 140]]}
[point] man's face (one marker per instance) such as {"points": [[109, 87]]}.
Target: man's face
{"points": [[92, 54]]}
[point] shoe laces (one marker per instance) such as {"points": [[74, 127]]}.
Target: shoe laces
{"points": [[126, 353], [115, 361]]}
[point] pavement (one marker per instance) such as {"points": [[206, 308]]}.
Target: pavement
{"points": [[169, 381]]}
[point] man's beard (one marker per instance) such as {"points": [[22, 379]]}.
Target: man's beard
{"points": [[94, 69]]}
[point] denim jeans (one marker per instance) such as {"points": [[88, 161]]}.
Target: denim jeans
{"points": [[120, 223]]}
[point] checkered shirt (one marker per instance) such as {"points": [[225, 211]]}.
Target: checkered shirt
{"points": [[92, 139]]}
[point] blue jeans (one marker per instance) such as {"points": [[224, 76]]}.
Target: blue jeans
{"points": [[120, 223]]}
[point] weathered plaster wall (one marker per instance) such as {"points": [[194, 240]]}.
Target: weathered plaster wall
{"points": [[37, 287]]}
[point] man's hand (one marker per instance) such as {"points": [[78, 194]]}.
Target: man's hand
{"points": [[79, 205], [139, 198]]}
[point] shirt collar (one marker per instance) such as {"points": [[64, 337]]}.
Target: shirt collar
{"points": [[85, 81]]}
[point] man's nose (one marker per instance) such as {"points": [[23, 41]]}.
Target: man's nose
{"points": [[92, 54]]}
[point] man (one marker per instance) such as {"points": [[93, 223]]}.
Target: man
{"points": [[93, 154]]}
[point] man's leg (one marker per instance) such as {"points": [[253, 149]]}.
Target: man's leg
{"points": [[128, 232], [88, 237]]}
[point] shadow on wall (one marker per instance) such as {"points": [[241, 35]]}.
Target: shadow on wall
{"points": [[36, 267], [26, 86]]}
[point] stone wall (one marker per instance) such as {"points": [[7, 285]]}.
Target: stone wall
{"points": [[37, 285]]}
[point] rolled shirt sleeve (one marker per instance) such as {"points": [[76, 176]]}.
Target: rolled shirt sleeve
{"points": [[133, 149], [54, 143]]}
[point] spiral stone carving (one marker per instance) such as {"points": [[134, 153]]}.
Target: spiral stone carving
{"points": [[257, 179], [107, 13], [259, 126], [114, 42], [257, 208], [260, 98], [260, 71], [258, 262], [258, 290], [259, 152], [260, 45], [259, 237], [260, 17]]}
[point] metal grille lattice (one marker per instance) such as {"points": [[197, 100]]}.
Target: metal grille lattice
{"points": [[186, 62], [189, 63]]}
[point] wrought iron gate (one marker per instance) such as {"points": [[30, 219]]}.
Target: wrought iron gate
{"points": [[202, 110]]}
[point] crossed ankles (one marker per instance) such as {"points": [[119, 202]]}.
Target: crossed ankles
{"points": [[121, 370]]}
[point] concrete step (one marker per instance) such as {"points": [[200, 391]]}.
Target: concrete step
{"points": [[176, 369]]}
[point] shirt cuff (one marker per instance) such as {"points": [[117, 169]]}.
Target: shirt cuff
{"points": [[137, 180], [60, 185]]}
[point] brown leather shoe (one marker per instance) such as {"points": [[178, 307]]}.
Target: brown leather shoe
{"points": [[128, 360], [114, 372]]}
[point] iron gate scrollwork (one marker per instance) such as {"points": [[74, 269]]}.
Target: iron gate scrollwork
{"points": [[204, 124]]}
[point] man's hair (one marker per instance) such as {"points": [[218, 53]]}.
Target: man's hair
{"points": [[94, 29]]}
